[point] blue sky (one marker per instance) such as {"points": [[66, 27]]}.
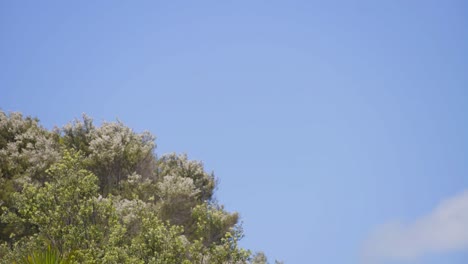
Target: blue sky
{"points": [[323, 120]]}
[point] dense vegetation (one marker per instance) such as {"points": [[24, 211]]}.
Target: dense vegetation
{"points": [[88, 194]]}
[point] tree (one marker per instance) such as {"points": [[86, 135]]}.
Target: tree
{"points": [[26, 151], [99, 194], [66, 211], [259, 258]]}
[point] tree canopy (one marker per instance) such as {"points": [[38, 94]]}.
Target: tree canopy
{"points": [[100, 194]]}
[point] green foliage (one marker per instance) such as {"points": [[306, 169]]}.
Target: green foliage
{"points": [[26, 151], [212, 223], [158, 243], [90, 194], [66, 210], [49, 256]]}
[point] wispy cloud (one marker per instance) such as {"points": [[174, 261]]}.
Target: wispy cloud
{"points": [[443, 230]]}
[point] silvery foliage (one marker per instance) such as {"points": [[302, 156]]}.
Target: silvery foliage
{"points": [[114, 151], [180, 166], [26, 149], [177, 197], [127, 209], [120, 152], [77, 134], [113, 141], [172, 187], [259, 258]]}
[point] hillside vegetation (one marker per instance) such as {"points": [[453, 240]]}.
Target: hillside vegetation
{"points": [[100, 194]]}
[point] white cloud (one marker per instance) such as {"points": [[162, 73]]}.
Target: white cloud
{"points": [[444, 230]]}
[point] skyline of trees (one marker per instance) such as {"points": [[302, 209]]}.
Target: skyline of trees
{"points": [[100, 194]]}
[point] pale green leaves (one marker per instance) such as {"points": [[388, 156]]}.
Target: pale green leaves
{"points": [[102, 195]]}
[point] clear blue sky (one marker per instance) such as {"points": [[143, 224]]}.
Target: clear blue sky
{"points": [[322, 119]]}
